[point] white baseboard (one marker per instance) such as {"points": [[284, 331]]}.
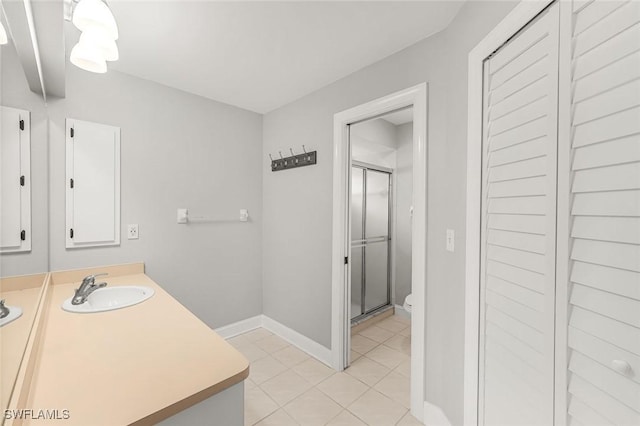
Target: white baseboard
{"points": [[401, 311], [434, 416], [302, 342], [239, 327]]}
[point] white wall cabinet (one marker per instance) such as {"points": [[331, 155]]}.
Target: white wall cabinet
{"points": [[560, 225], [15, 180], [93, 184]]}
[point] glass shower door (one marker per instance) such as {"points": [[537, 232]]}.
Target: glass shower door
{"points": [[370, 239]]}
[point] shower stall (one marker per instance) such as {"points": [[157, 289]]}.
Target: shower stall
{"points": [[370, 239]]}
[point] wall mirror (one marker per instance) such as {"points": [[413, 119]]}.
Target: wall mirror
{"points": [[24, 230]]}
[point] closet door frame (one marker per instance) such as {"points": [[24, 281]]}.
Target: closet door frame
{"points": [[519, 17]]}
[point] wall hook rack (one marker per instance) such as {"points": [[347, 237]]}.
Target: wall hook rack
{"points": [[295, 160]]}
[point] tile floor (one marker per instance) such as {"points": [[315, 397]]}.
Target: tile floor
{"points": [[288, 387]]}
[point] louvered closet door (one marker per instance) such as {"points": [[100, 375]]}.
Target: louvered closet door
{"points": [[604, 266], [518, 227]]}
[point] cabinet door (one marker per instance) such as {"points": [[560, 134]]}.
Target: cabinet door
{"points": [[603, 187], [15, 180], [518, 234], [93, 184]]}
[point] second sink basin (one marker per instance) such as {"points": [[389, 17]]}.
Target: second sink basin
{"points": [[15, 312], [110, 298]]}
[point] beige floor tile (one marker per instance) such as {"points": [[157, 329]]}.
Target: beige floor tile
{"points": [[346, 418], [404, 368], [312, 408], [343, 388], [376, 409], [362, 344], [271, 344], [392, 325], [400, 343], [386, 356], [355, 355], [409, 420], [313, 371], [251, 351], [285, 387], [264, 369], [367, 371], [237, 341], [396, 387], [249, 384], [406, 332], [290, 356], [257, 334], [257, 405], [401, 319], [279, 418], [376, 333]]}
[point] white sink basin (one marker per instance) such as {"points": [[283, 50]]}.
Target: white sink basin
{"points": [[110, 298], [14, 313]]}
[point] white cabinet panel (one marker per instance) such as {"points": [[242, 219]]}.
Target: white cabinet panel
{"points": [[15, 180], [93, 184]]}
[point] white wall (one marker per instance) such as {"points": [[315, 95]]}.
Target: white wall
{"points": [[403, 175], [178, 150], [14, 92], [297, 203]]}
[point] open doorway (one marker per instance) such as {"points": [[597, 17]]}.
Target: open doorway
{"points": [[379, 211], [381, 208]]}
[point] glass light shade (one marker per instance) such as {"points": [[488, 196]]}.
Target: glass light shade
{"points": [[96, 14], [88, 58], [3, 35], [96, 38]]}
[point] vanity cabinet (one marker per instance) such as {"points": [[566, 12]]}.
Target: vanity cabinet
{"points": [[93, 184]]}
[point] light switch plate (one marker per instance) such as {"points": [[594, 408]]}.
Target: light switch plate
{"points": [[451, 237], [132, 231]]}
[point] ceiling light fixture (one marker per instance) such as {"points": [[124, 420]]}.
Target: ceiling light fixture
{"points": [[88, 58], [99, 34], [95, 14], [3, 35], [96, 38]]}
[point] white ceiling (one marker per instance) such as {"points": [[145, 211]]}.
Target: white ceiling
{"points": [[399, 117], [262, 55]]}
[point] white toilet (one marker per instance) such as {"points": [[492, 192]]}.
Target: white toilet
{"points": [[408, 302]]}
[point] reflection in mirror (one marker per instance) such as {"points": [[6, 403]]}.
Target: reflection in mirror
{"points": [[15, 180], [21, 296], [23, 267]]}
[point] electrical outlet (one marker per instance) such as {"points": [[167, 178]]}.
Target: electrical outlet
{"points": [[132, 232]]}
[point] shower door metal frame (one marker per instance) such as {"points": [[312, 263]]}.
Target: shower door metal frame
{"points": [[363, 241]]}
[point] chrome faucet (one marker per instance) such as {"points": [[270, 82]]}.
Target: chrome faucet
{"points": [[87, 287], [4, 311]]}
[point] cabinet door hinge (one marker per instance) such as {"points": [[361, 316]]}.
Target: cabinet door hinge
{"points": [[71, 233], [21, 124], [23, 235], [21, 180]]}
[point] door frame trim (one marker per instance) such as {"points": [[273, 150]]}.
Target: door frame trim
{"points": [[524, 12], [415, 96]]}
